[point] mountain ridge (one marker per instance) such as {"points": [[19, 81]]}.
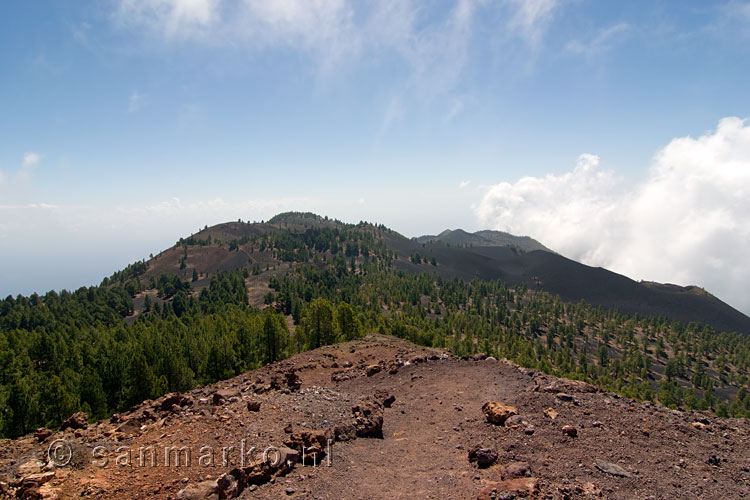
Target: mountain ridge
{"points": [[542, 270]]}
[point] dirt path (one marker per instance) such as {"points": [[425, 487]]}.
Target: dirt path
{"points": [[427, 434]]}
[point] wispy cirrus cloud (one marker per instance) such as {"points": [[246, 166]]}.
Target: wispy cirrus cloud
{"points": [[172, 19], [433, 43], [602, 41], [530, 18]]}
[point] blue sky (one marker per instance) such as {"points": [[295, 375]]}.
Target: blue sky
{"points": [[126, 124]]}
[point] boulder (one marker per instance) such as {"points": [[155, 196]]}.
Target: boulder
{"points": [[483, 457], [344, 432], [368, 418], [173, 399], [253, 405], [78, 420], [42, 433], [310, 444], [30, 467], [230, 484], [384, 398], [497, 413], [567, 386]]}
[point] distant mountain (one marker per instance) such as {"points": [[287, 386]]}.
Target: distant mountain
{"points": [[486, 255], [485, 238]]}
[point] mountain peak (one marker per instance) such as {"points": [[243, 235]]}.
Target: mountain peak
{"points": [[484, 238]]}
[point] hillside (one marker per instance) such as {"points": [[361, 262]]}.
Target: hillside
{"points": [[237, 296], [513, 262], [461, 238], [380, 418]]}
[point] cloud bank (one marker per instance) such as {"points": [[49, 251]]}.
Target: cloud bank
{"points": [[687, 222]]}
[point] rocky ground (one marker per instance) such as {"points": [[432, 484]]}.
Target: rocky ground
{"points": [[382, 418]]}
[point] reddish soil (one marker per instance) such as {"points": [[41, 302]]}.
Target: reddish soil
{"points": [[427, 435]]}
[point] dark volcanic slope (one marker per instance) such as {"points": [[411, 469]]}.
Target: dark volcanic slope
{"points": [[540, 270], [459, 237]]}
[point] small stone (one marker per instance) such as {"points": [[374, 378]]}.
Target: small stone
{"points": [[372, 370], [611, 468], [569, 430], [516, 469]]}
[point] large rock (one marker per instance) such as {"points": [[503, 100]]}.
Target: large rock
{"points": [[561, 385], [206, 490], [385, 398], [42, 433], [231, 484], [171, 400], [30, 467], [78, 420], [497, 413], [510, 488], [483, 457], [368, 418], [310, 444]]}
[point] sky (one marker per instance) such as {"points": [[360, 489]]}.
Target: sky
{"points": [[616, 133]]}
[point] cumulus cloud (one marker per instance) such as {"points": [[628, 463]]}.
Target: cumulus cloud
{"points": [[30, 160], [687, 222], [463, 184]]}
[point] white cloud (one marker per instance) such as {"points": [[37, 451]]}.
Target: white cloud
{"points": [[531, 18], [30, 160], [433, 44], [170, 18], [463, 184], [687, 222], [601, 42]]}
